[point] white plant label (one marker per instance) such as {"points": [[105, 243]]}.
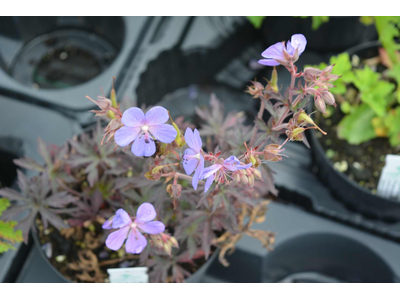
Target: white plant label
{"points": [[389, 182], [128, 275]]}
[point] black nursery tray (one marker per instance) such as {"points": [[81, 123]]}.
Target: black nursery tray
{"points": [[56, 61], [179, 61]]}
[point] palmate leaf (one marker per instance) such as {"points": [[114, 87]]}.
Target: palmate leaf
{"points": [[392, 122], [35, 198], [8, 234], [375, 92], [90, 154], [357, 127]]}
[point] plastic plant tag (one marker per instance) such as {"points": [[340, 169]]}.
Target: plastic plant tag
{"points": [[389, 182], [128, 275]]}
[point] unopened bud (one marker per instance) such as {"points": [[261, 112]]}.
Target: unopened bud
{"points": [[274, 81], [113, 95], [328, 98], [320, 105], [244, 179], [251, 181], [257, 173]]}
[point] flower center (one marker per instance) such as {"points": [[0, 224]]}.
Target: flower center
{"points": [[145, 128]]}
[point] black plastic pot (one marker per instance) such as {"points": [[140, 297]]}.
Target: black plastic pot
{"points": [[346, 190], [337, 35], [325, 258], [38, 269]]}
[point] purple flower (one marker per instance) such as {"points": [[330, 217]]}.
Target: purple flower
{"points": [[193, 159], [274, 55], [144, 129], [132, 230], [221, 172]]}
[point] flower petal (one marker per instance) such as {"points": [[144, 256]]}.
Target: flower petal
{"points": [[210, 171], [274, 51], [108, 224], [154, 227], [141, 148], [136, 242], [189, 164], [297, 41], [165, 133], [193, 139], [116, 239], [133, 117], [198, 173], [145, 213], [125, 135], [121, 219], [209, 181], [156, 116], [241, 167], [268, 62]]}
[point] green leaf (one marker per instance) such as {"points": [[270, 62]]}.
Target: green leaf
{"points": [[256, 21], [4, 204], [317, 21], [356, 127], [374, 92], [8, 236], [392, 122], [367, 20], [388, 31]]}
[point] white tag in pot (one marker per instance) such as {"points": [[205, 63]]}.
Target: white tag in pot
{"points": [[389, 182], [128, 275]]}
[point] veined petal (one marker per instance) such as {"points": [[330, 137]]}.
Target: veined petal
{"points": [[274, 51], [121, 219], [133, 117], [193, 139], [156, 116], [153, 227], [136, 242], [268, 62], [165, 133], [297, 41], [210, 170], [189, 163], [141, 148], [116, 239], [125, 135], [198, 173], [209, 181], [145, 213]]}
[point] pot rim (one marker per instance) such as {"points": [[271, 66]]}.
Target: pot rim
{"points": [[37, 243]]}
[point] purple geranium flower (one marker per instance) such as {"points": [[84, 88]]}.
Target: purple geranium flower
{"points": [[132, 230], [275, 54], [193, 159], [220, 172], [144, 129]]}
